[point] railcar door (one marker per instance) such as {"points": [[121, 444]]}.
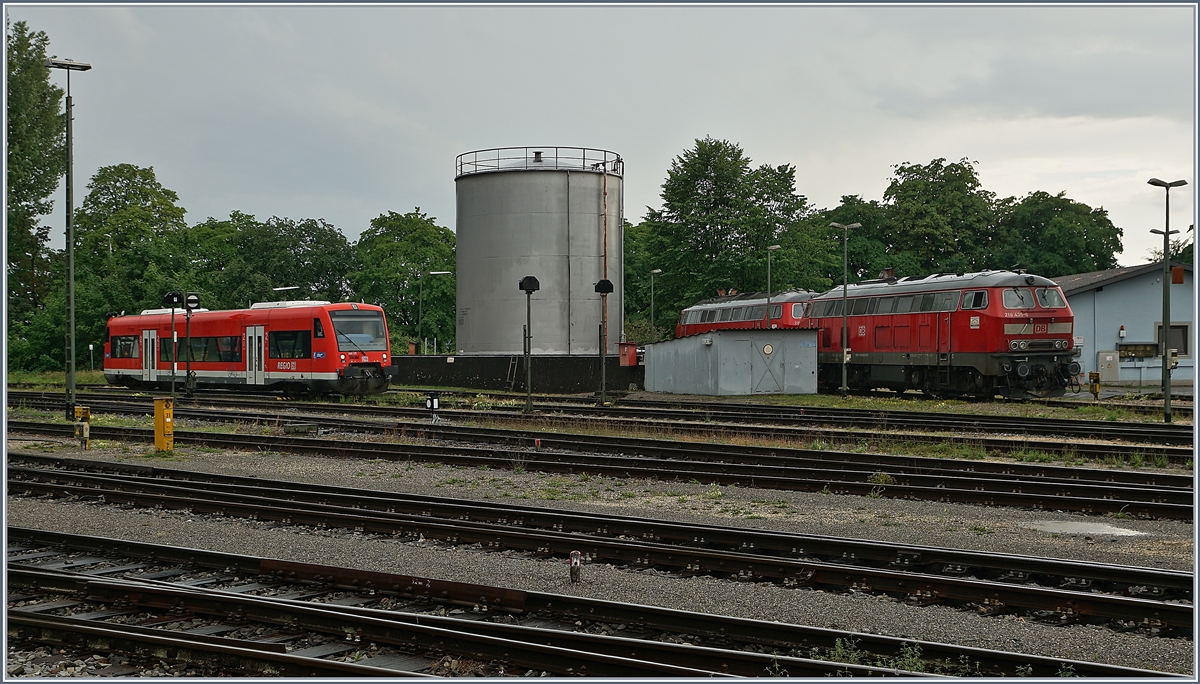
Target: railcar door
{"points": [[149, 355], [254, 354]]}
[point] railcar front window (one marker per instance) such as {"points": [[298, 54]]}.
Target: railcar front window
{"points": [[1018, 298], [360, 331], [1050, 298]]}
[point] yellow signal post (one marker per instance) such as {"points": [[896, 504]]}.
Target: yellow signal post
{"points": [[164, 424], [83, 424]]}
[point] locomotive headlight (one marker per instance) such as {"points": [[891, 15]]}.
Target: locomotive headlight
{"points": [[1012, 345], [385, 359], [1022, 345], [1060, 344], [342, 357]]}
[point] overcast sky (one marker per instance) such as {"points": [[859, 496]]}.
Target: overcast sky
{"points": [[344, 113]]}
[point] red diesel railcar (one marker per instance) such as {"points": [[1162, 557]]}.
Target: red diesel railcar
{"points": [[291, 346], [983, 334]]}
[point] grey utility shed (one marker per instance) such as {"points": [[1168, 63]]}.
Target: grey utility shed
{"points": [[728, 362]]}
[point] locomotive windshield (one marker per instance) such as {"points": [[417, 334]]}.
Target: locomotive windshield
{"points": [[1018, 298], [1049, 298], [359, 330]]}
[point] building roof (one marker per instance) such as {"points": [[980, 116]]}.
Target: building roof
{"points": [[1082, 282]]}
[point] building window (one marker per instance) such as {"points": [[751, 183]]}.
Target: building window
{"points": [[1180, 338]]}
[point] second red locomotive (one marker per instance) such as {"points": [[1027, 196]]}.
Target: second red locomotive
{"points": [[307, 346]]}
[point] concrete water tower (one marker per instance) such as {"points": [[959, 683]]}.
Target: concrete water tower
{"points": [[551, 212]]}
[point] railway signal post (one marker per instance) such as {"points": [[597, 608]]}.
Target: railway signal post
{"points": [[530, 285], [604, 288], [190, 302], [172, 300], [845, 279]]}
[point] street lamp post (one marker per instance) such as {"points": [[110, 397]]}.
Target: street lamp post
{"points": [[653, 326], [845, 279], [770, 249], [530, 285], [69, 66], [1165, 336], [421, 307]]}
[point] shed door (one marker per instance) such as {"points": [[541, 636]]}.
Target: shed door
{"points": [[766, 368], [254, 355], [149, 355]]}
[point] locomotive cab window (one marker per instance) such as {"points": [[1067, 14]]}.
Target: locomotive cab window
{"points": [[126, 347], [798, 310], [1050, 298], [1018, 298], [318, 329], [975, 300], [776, 311], [359, 330], [290, 344]]}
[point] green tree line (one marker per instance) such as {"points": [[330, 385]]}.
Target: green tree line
{"points": [[720, 214]]}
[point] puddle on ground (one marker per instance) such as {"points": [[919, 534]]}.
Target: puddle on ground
{"points": [[1085, 528]]}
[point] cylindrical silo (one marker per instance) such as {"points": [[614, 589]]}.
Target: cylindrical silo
{"points": [[551, 212]]}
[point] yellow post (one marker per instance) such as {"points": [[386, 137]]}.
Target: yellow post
{"points": [[83, 424], [164, 424]]}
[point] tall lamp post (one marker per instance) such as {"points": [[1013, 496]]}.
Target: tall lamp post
{"points": [[770, 249], [653, 326], [845, 279], [1165, 336], [530, 285], [421, 307], [69, 66]]}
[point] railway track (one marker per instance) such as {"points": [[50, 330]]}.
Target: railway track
{"points": [[1056, 590], [1092, 491], [731, 412], [49, 565], [991, 445]]}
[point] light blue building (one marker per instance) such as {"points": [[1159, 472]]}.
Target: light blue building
{"points": [[1124, 306]]}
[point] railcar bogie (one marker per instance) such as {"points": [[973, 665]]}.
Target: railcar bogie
{"points": [[299, 346]]}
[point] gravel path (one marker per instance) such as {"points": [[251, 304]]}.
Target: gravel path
{"points": [[1166, 544]]}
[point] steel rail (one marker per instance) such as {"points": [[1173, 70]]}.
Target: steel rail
{"points": [[768, 543], [65, 631], [534, 604], [985, 491], [701, 423], [919, 587]]}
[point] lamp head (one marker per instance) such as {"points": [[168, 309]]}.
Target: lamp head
{"points": [[68, 64], [656, 271], [1163, 184], [772, 248], [439, 273], [529, 284]]}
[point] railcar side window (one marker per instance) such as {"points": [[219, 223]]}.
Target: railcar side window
{"points": [[1049, 298], [872, 304], [289, 344], [904, 304], [212, 350], [860, 307], [757, 313], [1018, 298], [318, 329], [776, 311], [975, 300], [695, 317], [947, 301], [736, 314], [886, 305], [725, 314], [927, 302], [126, 347]]}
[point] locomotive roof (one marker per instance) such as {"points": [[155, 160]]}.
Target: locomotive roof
{"points": [[939, 281], [797, 295], [257, 309]]}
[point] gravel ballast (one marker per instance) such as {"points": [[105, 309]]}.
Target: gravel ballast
{"points": [[1164, 544]]}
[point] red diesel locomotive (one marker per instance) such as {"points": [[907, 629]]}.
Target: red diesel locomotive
{"points": [[308, 346], [974, 334], [745, 311]]}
